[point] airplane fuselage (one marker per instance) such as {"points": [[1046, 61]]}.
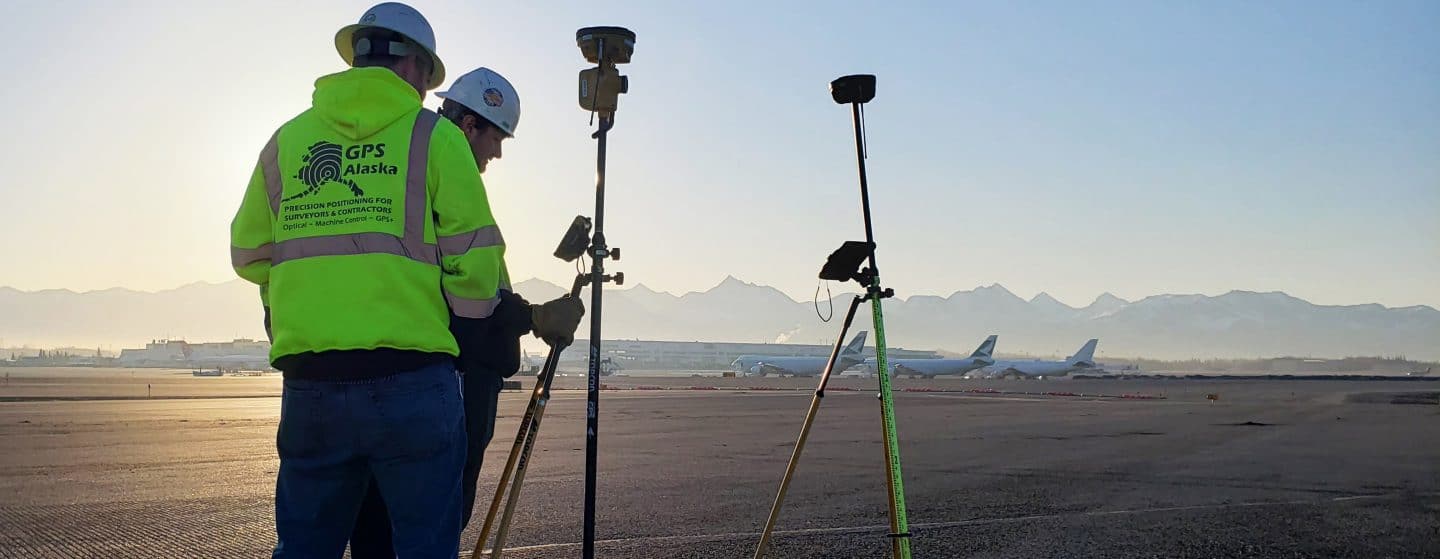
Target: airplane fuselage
{"points": [[937, 367], [759, 365], [1036, 368]]}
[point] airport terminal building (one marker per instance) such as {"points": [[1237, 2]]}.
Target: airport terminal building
{"points": [[627, 354], [239, 353]]}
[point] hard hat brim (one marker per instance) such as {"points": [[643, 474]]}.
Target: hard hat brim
{"points": [[345, 45]]}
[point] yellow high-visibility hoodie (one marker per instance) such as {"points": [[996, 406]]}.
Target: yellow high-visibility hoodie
{"points": [[365, 224]]}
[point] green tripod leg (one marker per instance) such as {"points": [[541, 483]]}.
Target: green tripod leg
{"points": [[899, 525]]}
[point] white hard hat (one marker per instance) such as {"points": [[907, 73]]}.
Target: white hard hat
{"points": [[401, 19], [489, 95]]}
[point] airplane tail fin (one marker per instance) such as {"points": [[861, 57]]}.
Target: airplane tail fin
{"points": [[1086, 353], [986, 348], [856, 345]]}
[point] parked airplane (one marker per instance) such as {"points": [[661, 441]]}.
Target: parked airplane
{"points": [[931, 368], [1081, 361], [762, 365]]}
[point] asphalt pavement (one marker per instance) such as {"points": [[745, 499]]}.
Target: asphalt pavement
{"points": [[1271, 469]]}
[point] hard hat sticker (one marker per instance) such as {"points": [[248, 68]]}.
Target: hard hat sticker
{"points": [[493, 97]]}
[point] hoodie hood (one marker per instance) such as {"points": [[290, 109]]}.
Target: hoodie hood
{"points": [[362, 101]]}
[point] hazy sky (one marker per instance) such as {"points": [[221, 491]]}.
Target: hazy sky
{"points": [[1066, 147]]}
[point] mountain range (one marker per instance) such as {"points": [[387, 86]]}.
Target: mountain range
{"points": [[1235, 324]]}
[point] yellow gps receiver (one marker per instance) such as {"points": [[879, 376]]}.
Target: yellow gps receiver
{"points": [[601, 86]]}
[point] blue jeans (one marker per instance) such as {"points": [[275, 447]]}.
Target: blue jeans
{"points": [[405, 430], [371, 538]]}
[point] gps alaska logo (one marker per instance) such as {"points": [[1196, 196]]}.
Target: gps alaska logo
{"points": [[327, 162]]}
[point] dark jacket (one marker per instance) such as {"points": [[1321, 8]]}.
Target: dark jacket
{"points": [[493, 343]]}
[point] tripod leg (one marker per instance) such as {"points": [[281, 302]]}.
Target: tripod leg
{"points": [[521, 466], [524, 438], [804, 432], [515, 450]]}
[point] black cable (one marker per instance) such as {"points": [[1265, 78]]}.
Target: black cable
{"points": [[828, 299]]}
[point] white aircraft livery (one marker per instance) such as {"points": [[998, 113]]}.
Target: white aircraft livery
{"points": [[931, 368], [1081, 361], [762, 365]]}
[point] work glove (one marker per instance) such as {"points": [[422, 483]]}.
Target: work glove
{"points": [[556, 321]]}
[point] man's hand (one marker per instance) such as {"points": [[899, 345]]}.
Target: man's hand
{"points": [[556, 321]]}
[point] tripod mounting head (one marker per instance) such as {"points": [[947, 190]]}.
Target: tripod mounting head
{"points": [[601, 86], [858, 88]]}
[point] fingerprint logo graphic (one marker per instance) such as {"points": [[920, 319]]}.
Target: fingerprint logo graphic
{"points": [[322, 166]]}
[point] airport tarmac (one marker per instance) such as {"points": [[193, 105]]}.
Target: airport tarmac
{"points": [[1271, 469]]}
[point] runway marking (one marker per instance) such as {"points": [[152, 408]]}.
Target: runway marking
{"points": [[958, 523]]}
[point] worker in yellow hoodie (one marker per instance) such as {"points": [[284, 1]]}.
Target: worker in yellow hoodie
{"points": [[366, 226]]}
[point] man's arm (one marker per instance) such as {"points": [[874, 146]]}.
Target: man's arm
{"points": [[486, 319], [471, 250], [492, 344]]}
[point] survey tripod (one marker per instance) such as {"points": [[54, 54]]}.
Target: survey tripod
{"points": [[844, 265]]}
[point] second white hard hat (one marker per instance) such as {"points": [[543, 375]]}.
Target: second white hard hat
{"points": [[401, 19], [490, 95]]}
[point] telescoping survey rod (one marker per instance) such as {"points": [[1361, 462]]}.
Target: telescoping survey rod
{"points": [[600, 89]]}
